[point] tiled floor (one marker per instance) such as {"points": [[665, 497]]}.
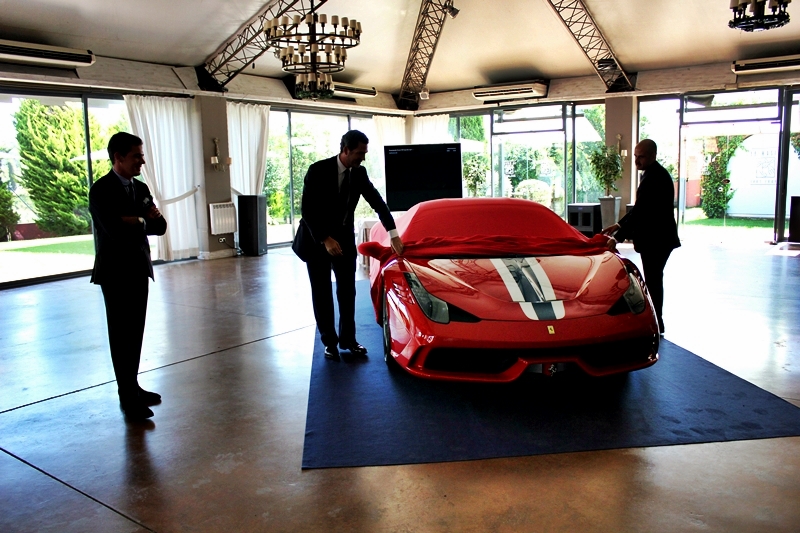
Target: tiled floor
{"points": [[228, 345]]}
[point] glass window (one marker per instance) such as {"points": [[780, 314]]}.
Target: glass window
{"points": [[590, 134], [373, 163], [314, 137], [739, 105], [277, 186], [44, 194], [529, 119], [793, 178], [475, 155]]}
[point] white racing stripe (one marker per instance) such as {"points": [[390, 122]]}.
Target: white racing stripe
{"points": [[540, 284]]}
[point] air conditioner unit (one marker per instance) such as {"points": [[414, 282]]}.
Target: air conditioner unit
{"points": [[760, 66], [43, 55], [511, 91], [351, 91]]}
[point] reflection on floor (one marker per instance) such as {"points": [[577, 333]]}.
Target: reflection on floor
{"points": [[228, 345]]}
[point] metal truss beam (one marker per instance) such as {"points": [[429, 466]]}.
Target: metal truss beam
{"points": [[581, 25], [248, 44], [432, 14]]}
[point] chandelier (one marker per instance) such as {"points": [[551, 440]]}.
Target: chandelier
{"points": [[764, 14], [312, 49]]}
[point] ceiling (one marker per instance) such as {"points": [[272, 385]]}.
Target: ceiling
{"points": [[489, 42]]}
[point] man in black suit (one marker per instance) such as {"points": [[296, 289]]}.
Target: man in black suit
{"points": [[650, 224], [124, 215], [325, 238]]}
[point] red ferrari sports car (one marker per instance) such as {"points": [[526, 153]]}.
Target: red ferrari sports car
{"points": [[488, 288]]}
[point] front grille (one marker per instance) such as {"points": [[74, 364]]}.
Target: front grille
{"points": [[606, 354], [471, 360], [490, 361]]}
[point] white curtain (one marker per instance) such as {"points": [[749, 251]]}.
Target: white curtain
{"points": [[389, 131], [248, 131], [173, 152], [431, 129]]}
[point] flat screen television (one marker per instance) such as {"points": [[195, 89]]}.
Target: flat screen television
{"points": [[419, 172]]}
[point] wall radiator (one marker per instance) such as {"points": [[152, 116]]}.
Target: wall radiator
{"points": [[223, 218]]}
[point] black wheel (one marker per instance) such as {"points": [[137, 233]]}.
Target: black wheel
{"points": [[387, 336]]}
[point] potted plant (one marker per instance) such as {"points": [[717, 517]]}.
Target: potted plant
{"points": [[607, 163]]}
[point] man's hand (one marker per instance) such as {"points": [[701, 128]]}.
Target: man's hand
{"points": [[152, 213], [131, 221], [612, 244], [397, 245], [332, 246], [613, 228]]}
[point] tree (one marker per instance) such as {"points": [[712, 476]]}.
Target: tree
{"points": [[8, 217], [475, 167], [715, 187], [49, 138], [472, 128]]}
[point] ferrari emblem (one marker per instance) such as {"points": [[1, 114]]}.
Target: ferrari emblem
{"points": [[551, 330]]}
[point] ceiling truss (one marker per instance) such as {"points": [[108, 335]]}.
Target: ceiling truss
{"points": [[581, 25], [248, 44], [432, 14]]}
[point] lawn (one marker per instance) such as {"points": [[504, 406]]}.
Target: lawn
{"points": [[85, 247], [696, 217]]}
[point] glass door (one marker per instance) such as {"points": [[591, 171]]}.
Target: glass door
{"points": [[793, 168], [528, 155], [729, 166]]}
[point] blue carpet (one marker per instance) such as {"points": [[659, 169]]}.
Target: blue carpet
{"points": [[360, 413]]}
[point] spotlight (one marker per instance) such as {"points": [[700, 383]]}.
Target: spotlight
{"points": [[451, 10], [424, 94]]}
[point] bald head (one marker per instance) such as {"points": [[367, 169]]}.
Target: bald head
{"points": [[644, 154]]}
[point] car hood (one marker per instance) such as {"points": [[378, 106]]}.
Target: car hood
{"points": [[526, 288]]}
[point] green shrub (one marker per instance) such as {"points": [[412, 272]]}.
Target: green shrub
{"points": [[715, 189], [535, 190], [606, 163]]}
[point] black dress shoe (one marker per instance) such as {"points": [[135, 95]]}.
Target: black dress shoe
{"points": [[355, 349], [136, 411], [331, 353], [149, 398]]}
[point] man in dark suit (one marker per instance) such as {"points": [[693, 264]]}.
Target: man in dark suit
{"points": [[124, 215], [650, 224], [325, 238]]}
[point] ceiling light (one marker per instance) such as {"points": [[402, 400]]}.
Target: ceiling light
{"points": [[312, 49], [764, 14], [424, 94]]}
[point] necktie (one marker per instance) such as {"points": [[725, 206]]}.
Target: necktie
{"points": [[129, 190], [344, 193]]}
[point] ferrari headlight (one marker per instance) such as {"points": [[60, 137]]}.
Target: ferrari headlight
{"points": [[634, 296], [433, 307]]}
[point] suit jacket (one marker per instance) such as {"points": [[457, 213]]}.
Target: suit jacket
{"points": [[325, 215], [651, 221], [123, 250]]}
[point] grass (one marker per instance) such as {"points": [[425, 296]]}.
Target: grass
{"points": [[85, 247], [731, 222], [695, 217]]}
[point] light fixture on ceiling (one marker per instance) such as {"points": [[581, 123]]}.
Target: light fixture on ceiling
{"points": [[312, 49], [764, 14], [424, 94], [450, 9]]}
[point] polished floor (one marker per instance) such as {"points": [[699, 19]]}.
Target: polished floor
{"points": [[228, 344]]}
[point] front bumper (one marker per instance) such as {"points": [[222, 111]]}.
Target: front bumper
{"points": [[495, 351]]}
